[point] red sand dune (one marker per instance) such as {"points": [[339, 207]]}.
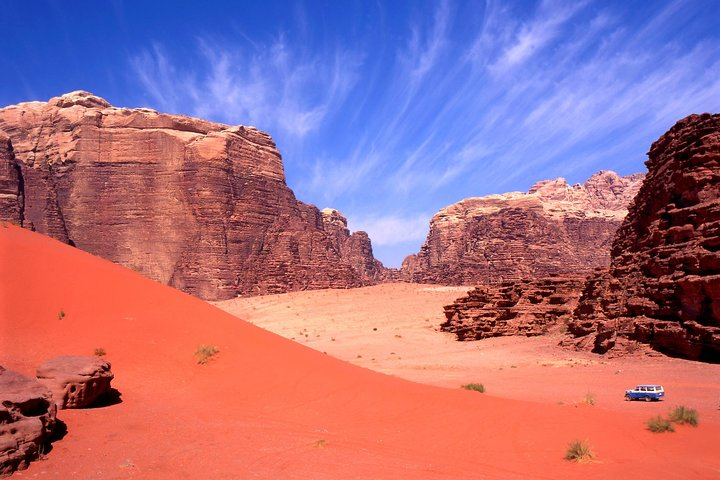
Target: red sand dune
{"points": [[270, 408]]}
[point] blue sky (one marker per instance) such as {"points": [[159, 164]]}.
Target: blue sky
{"points": [[390, 110]]}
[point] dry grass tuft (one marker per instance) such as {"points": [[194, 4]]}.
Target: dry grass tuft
{"points": [[205, 352], [579, 451]]}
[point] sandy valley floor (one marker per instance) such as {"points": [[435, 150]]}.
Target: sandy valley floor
{"points": [[394, 329]]}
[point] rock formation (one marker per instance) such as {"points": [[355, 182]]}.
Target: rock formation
{"points": [[200, 206], [11, 188], [663, 285], [554, 228], [526, 307], [356, 249], [27, 418], [75, 381]]}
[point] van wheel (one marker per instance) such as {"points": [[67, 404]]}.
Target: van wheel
{"points": [[647, 399], [628, 398]]}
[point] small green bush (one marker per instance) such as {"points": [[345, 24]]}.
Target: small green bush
{"points": [[682, 415], [589, 398], [100, 352], [478, 387], [205, 352], [659, 424], [61, 314], [579, 451]]}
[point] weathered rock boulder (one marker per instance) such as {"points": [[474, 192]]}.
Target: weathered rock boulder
{"points": [[27, 418], [525, 307], [11, 187], [75, 381], [197, 205], [663, 285], [553, 229]]}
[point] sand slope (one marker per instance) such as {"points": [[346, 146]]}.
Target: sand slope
{"points": [[394, 329], [270, 408]]}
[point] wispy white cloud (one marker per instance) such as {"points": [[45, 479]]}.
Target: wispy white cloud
{"points": [[276, 86], [331, 179], [442, 108], [425, 47], [391, 229], [537, 34]]}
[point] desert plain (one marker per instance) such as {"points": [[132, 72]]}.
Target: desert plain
{"points": [[372, 391]]}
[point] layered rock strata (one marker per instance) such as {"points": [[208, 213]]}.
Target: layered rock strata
{"points": [[663, 285], [355, 248], [75, 381], [552, 229], [526, 307], [197, 205], [11, 186], [27, 418]]}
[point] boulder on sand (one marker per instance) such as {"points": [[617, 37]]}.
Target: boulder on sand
{"points": [[27, 418], [75, 381]]}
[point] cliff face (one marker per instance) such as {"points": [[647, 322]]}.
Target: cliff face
{"points": [[200, 206], [552, 229], [356, 249], [663, 285], [11, 185]]}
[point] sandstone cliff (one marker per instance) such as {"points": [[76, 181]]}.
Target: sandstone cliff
{"points": [[200, 206], [554, 228], [663, 285], [11, 188]]}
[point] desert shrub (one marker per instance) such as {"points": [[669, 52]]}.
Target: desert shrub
{"points": [[579, 451], [478, 387], [589, 398], [61, 314], [100, 351], [682, 415], [205, 352], [659, 424]]}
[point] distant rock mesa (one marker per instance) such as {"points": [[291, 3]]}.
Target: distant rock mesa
{"points": [[663, 285], [197, 205], [553, 229]]}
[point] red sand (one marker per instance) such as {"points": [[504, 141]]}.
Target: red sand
{"points": [[394, 329], [270, 408]]}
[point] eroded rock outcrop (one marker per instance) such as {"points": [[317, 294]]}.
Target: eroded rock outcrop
{"points": [[663, 285], [200, 206], [552, 229], [526, 307], [75, 381], [355, 248], [11, 186], [27, 418]]}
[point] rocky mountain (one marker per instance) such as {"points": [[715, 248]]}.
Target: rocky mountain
{"points": [[552, 229], [200, 206], [663, 285]]}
